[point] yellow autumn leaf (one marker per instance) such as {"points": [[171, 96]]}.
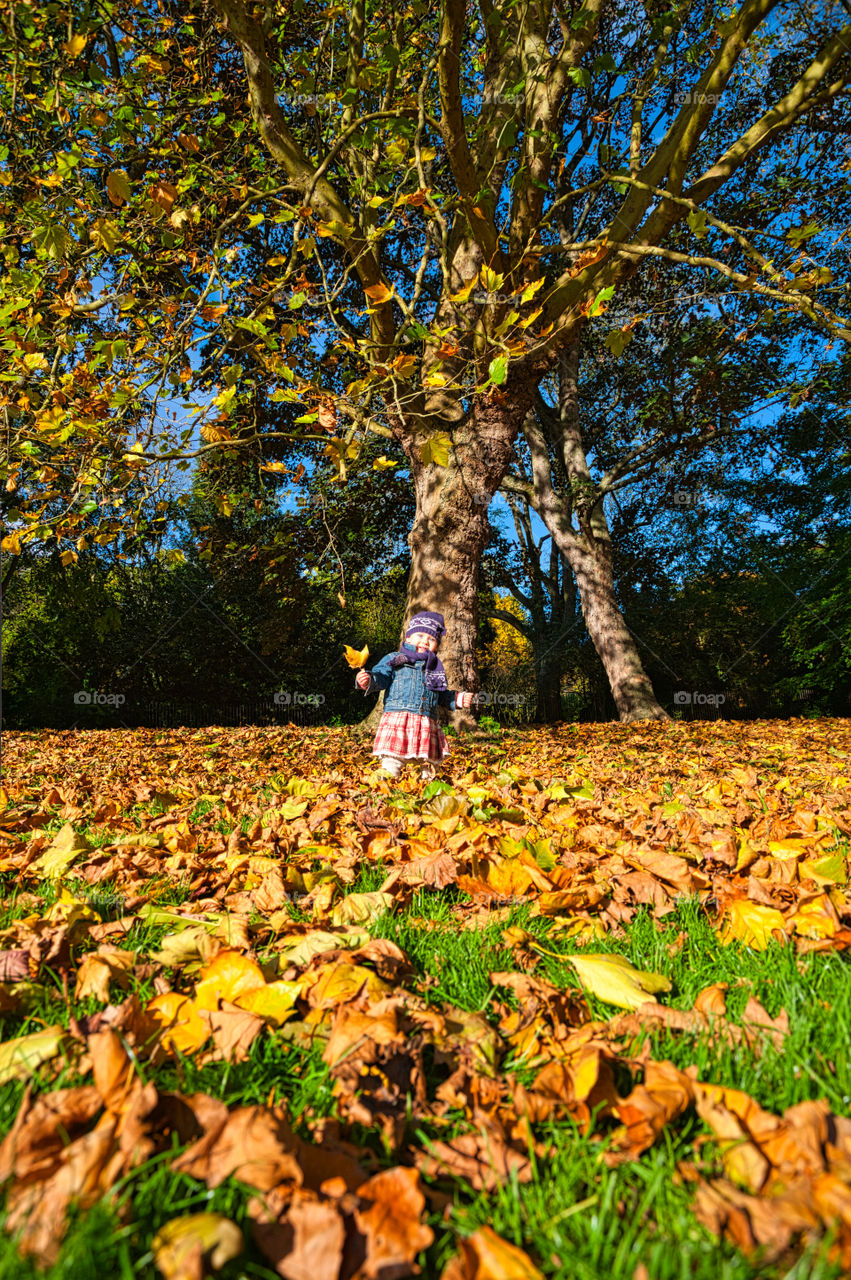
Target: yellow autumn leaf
{"points": [[531, 289], [356, 657], [12, 544], [378, 293], [65, 846], [830, 868], [436, 449], [118, 187], [361, 908], [816, 918], [301, 949], [509, 878], [181, 1027], [177, 1245], [751, 923], [74, 914], [488, 1257], [75, 46], [492, 280], [19, 1058], [463, 294], [275, 1001], [340, 981], [227, 977], [382, 463], [615, 980], [791, 846]]}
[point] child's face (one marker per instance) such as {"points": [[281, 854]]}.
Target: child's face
{"points": [[422, 640]]}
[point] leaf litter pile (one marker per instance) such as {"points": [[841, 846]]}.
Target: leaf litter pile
{"points": [[423, 993]]}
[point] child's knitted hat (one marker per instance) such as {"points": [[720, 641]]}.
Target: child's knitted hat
{"points": [[431, 623]]}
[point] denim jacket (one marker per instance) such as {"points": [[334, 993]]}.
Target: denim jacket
{"points": [[406, 689]]}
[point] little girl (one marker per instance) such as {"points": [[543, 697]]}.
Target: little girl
{"points": [[415, 684]]}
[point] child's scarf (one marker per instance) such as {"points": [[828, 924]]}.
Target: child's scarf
{"points": [[435, 676]]}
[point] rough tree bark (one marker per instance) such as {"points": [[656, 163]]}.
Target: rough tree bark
{"points": [[590, 557], [588, 548]]}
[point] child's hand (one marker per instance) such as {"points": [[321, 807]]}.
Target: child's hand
{"points": [[463, 700], [363, 679]]}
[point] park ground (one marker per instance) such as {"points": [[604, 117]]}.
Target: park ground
{"points": [[578, 1007]]}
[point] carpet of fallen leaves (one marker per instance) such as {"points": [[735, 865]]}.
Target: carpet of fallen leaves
{"points": [[587, 824]]}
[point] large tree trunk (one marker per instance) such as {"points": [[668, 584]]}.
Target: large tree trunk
{"points": [[447, 543], [591, 562], [590, 557], [588, 549], [369, 724]]}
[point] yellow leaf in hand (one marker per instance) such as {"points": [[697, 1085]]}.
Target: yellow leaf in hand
{"points": [[356, 657], [613, 979]]}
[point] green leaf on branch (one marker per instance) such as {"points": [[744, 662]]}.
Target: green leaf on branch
{"points": [[54, 241], [599, 303], [617, 340], [498, 370], [797, 235], [697, 222]]}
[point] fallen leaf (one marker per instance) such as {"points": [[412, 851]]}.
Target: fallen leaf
{"points": [[613, 979], [64, 848], [484, 1160], [254, 1144], [228, 976], [361, 908], [486, 1256], [177, 1023], [19, 1058], [306, 1241], [388, 1216], [185, 1247], [752, 924]]}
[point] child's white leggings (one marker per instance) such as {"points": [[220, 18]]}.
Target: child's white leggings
{"points": [[393, 766]]}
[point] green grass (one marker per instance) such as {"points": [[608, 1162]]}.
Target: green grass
{"points": [[575, 1217], [578, 1218]]}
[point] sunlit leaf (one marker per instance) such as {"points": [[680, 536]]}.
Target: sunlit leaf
{"points": [[613, 979]]}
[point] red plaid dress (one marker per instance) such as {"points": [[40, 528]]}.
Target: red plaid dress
{"points": [[410, 736]]}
